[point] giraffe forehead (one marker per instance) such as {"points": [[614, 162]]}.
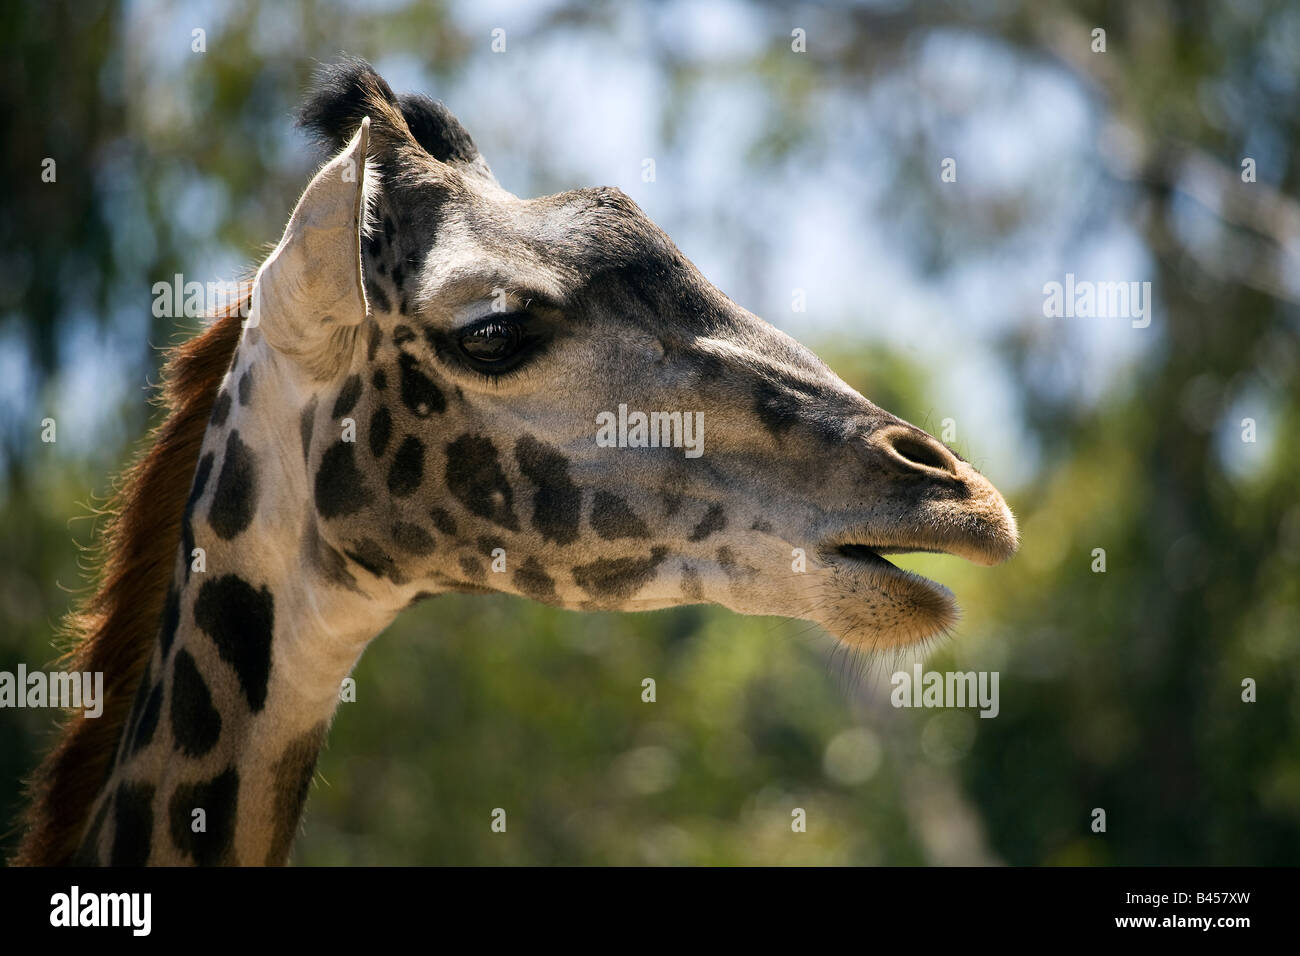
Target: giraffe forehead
{"points": [[444, 245]]}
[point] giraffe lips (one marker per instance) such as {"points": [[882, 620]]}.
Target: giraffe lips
{"points": [[870, 559], [984, 539], [879, 604]]}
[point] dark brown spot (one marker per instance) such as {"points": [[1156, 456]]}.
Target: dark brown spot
{"points": [[381, 429], [412, 538], [557, 503], [347, 397], [612, 518], [196, 725], [293, 773], [535, 582], [407, 469], [419, 393], [306, 425], [714, 520], [218, 798], [475, 478], [443, 521], [240, 620], [620, 578], [235, 498], [132, 824], [340, 486]]}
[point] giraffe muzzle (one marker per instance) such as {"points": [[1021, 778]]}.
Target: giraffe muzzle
{"points": [[949, 508]]}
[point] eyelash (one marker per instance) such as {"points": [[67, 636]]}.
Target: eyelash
{"points": [[533, 336]]}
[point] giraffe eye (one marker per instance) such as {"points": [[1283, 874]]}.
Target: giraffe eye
{"points": [[492, 341]]}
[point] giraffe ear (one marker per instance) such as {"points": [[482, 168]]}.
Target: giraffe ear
{"points": [[309, 294]]}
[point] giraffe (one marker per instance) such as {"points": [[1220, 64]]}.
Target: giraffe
{"points": [[409, 408]]}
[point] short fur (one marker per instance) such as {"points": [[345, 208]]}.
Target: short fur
{"points": [[115, 629]]}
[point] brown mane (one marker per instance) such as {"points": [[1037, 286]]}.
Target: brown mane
{"points": [[113, 631]]}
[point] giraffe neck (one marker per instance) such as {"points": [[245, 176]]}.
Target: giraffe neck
{"points": [[261, 625]]}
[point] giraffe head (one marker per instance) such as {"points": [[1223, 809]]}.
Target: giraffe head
{"points": [[544, 397]]}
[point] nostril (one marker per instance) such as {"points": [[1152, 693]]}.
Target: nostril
{"points": [[921, 451]]}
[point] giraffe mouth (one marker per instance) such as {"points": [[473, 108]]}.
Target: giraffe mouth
{"points": [[872, 554], [871, 558], [882, 604], [871, 602]]}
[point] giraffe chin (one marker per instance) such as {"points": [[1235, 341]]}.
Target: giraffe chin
{"points": [[874, 605]]}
